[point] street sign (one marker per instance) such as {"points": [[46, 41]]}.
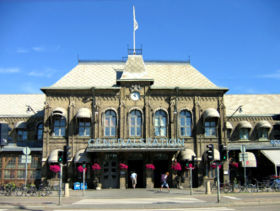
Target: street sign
{"points": [[26, 150], [23, 159]]}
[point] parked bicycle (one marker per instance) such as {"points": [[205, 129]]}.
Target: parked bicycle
{"points": [[44, 190], [26, 191]]}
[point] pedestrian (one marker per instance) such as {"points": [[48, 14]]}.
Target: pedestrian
{"points": [[133, 177], [164, 181]]}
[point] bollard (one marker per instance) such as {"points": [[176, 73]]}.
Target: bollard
{"points": [[208, 187], [66, 190]]}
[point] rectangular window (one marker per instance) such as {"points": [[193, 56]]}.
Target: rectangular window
{"points": [[244, 133], [84, 127], [263, 133], [21, 174], [59, 127], [10, 174], [21, 135], [210, 128]]}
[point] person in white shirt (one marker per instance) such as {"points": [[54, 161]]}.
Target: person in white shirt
{"points": [[133, 177]]}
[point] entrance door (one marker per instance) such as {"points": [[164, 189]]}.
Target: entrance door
{"points": [[161, 168], [110, 177], [137, 167]]}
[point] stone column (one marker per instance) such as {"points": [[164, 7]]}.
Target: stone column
{"points": [[123, 174], [149, 178]]}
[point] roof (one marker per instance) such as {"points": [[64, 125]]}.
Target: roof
{"points": [[252, 104], [16, 105], [100, 74]]}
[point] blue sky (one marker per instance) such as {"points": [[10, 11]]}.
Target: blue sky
{"points": [[235, 43]]}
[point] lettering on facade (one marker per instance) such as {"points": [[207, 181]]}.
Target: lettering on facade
{"points": [[139, 143], [275, 142]]}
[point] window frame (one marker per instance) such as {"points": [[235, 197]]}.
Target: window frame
{"points": [[108, 113], [242, 132], [22, 134], [211, 128], [187, 119], [84, 121], [60, 127], [159, 116], [262, 131], [137, 115], [40, 129]]}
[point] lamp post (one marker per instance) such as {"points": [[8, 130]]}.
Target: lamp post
{"points": [[240, 110]]}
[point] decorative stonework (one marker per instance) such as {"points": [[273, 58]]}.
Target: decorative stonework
{"points": [[135, 87]]}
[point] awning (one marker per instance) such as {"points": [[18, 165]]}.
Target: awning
{"points": [[273, 156], [251, 162], [264, 124], [84, 113], [245, 124], [21, 125], [59, 112], [229, 126], [53, 157], [81, 156], [211, 113], [187, 154]]}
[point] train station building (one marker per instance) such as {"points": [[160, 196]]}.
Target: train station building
{"points": [[149, 117]]}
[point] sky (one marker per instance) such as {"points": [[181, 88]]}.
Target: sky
{"points": [[234, 43]]}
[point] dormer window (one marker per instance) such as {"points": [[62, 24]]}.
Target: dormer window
{"points": [[119, 74]]}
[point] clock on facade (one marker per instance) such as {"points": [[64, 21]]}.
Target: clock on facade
{"points": [[135, 96]]}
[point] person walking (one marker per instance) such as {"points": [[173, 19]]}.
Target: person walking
{"points": [[133, 177], [164, 181]]}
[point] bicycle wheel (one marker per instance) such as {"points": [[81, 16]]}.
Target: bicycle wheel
{"points": [[19, 192], [252, 188], [227, 188]]}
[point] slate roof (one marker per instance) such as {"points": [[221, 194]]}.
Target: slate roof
{"points": [[15, 105], [253, 104], [102, 74]]}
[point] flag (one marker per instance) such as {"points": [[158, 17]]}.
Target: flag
{"points": [[135, 24]]}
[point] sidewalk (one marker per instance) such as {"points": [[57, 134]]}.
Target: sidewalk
{"points": [[136, 198], [133, 193]]}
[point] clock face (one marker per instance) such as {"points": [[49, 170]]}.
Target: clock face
{"points": [[135, 96]]}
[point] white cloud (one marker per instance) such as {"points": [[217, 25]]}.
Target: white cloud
{"points": [[9, 70], [38, 49], [40, 74], [44, 73], [22, 50], [275, 75]]}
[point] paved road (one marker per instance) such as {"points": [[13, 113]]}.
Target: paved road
{"points": [[142, 199]]}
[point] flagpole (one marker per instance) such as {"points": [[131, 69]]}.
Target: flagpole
{"points": [[134, 31]]}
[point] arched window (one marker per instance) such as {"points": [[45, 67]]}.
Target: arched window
{"points": [[110, 122], [40, 131], [160, 123], [185, 123], [135, 123], [59, 126]]}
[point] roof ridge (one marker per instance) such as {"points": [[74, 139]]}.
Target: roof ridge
{"points": [[23, 94]]}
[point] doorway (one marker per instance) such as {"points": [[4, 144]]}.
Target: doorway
{"points": [[161, 168], [137, 167], [110, 178]]}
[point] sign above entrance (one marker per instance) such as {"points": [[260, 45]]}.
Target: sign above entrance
{"points": [[135, 144]]}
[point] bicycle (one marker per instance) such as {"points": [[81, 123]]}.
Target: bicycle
{"points": [[44, 190], [26, 191]]}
